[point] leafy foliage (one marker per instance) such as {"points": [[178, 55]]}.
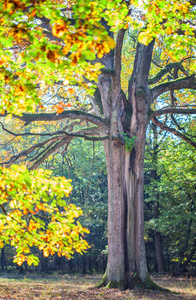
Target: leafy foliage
{"points": [[33, 213], [129, 141], [32, 56], [29, 58], [175, 187]]}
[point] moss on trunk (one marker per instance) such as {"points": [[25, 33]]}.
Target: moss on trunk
{"points": [[121, 285], [130, 283]]}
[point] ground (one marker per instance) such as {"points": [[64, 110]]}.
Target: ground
{"points": [[66, 287]]}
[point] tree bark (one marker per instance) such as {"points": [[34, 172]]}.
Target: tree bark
{"points": [[126, 250]]}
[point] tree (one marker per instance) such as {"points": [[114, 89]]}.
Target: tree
{"points": [[177, 202], [46, 45], [169, 194], [152, 189]]}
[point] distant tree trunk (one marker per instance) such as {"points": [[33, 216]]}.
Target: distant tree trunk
{"points": [[159, 253], [89, 264], [183, 265], [158, 240], [41, 263], [3, 260], [70, 264], [84, 265], [187, 261], [154, 175]]}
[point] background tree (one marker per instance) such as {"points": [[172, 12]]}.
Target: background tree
{"points": [[166, 159], [177, 202], [47, 44], [84, 162]]}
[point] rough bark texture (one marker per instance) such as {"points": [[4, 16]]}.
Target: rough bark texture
{"points": [[126, 250]]}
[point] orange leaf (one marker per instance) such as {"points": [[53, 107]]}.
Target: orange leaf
{"points": [[33, 13], [25, 211], [169, 30], [68, 105], [59, 29], [36, 209], [71, 91], [60, 109]]}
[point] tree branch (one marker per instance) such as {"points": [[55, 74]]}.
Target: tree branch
{"points": [[117, 57], [165, 70], [108, 72], [82, 133], [47, 152], [175, 132], [26, 152], [171, 110], [91, 134], [69, 114], [188, 82], [32, 133]]}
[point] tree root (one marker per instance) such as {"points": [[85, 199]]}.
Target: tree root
{"points": [[103, 281], [131, 284], [149, 284]]}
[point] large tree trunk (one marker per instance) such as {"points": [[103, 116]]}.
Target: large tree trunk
{"points": [[126, 249]]}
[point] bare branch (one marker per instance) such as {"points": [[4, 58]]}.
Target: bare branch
{"points": [[32, 133], [172, 130], [47, 152], [55, 143], [31, 149], [172, 110], [69, 114], [91, 130]]}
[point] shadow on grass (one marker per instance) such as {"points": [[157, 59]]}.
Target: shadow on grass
{"points": [[66, 287]]}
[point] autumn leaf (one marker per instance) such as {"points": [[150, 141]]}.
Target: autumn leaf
{"points": [[28, 190], [59, 28], [169, 30], [52, 56], [68, 105], [71, 91]]}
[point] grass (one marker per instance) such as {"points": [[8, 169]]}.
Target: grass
{"points": [[65, 287]]}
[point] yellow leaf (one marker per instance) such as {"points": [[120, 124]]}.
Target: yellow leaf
{"points": [[145, 38], [184, 8], [13, 203], [46, 252], [111, 42]]}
